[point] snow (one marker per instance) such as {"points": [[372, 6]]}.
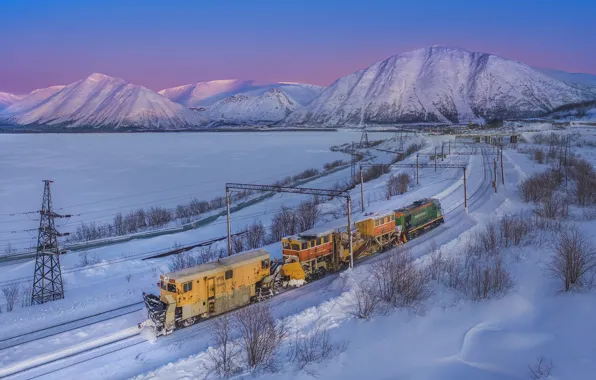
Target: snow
{"points": [[437, 84], [450, 338], [7, 99], [101, 101]]}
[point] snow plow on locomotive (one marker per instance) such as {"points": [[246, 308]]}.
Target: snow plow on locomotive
{"points": [[193, 294]]}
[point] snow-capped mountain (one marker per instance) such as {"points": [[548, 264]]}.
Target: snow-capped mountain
{"points": [[585, 82], [265, 104], [7, 99], [272, 105], [100, 101], [205, 94], [438, 84]]}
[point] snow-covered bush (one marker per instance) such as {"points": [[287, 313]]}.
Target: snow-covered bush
{"points": [[573, 261]]}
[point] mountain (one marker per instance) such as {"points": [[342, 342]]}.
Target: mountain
{"points": [[204, 94], [438, 84], [266, 104], [272, 105], [585, 82], [100, 101], [7, 99]]}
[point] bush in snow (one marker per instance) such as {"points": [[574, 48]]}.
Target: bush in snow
{"points": [[398, 185], [254, 236], [226, 351], [85, 259], [541, 369], [367, 301], [260, 336], [11, 293], [316, 347], [573, 261], [397, 282]]}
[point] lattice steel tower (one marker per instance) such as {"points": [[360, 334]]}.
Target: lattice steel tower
{"points": [[47, 280]]}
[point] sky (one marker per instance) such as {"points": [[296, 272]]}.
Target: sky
{"points": [[161, 44]]}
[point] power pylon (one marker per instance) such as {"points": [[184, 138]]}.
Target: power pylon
{"points": [[364, 139], [47, 280]]}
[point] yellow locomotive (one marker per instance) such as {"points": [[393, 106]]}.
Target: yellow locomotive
{"points": [[206, 290], [209, 289]]}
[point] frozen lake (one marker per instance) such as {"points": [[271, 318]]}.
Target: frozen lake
{"points": [[99, 175]]}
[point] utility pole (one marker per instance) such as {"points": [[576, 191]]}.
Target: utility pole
{"points": [[353, 164], [442, 150], [435, 158], [502, 171], [229, 222], [350, 230], [361, 189], [465, 191], [449, 146], [417, 154], [47, 279], [495, 180]]}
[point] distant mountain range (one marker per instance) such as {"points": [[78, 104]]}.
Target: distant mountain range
{"points": [[430, 85]]}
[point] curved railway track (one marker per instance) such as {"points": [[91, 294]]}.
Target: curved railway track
{"points": [[37, 370]]}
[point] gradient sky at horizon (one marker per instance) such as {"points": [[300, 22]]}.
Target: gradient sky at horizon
{"points": [[160, 44]]}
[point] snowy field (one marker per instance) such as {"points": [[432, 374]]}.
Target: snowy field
{"points": [[449, 337], [99, 175]]}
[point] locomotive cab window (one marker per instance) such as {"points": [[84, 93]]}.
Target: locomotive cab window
{"points": [[304, 245], [295, 247], [172, 288], [265, 264], [286, 245], [163, 285], [187, 287], [229, 274]]}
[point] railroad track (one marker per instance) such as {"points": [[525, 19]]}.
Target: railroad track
{"points": [[200, 328], [75, 324]]}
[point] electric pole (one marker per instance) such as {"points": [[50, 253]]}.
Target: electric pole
{"points": [[442, 150], [502, 171], [47, 279], [435, 158], [361, 189], [417, 154], [353, 163], [495, 180]]}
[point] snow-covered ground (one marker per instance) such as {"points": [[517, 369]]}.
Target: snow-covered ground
{"points": [[98, 175], [491, 339]]}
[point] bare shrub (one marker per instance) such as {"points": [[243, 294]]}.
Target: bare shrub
{"points": [[237, 243], [316, 347], [540, 185], [436, 266], [260, 337], [226, 351], [331, 165], [486, 278], [552, 207], [128, 277], [254, 237], [284, 223], [8, 250], [26, 295], [398, 185], [539, 156], [454, 273], [541, 369], [573, 261], [366, 301], [307, 214], [413, 148], [396, 281], [85, 259], [11, 293], [513, 230]]}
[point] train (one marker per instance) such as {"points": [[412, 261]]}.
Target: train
{"points": [[193, 294]]}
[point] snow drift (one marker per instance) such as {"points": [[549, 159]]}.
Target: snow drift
{"points": [[438, 84]]}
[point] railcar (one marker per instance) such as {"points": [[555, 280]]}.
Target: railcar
{"points": [[209, 289]]}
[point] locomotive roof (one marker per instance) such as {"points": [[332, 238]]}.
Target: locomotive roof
{"points": [[418, 204], [230, 262]]}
